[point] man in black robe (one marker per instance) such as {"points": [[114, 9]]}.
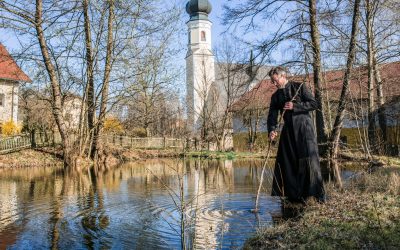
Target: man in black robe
{"points": [[297, 173]]}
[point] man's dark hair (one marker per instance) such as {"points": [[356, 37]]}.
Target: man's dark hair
{"points": [[279, 70]]}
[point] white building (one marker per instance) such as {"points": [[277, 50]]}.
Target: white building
{"points": [[10, 77]]}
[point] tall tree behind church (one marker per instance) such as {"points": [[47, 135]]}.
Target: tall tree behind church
{"points": [[246, 15], [231, 82]]}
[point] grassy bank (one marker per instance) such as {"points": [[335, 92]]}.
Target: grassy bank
{"points": [[30, 158], [365, 214], [111, 155]]}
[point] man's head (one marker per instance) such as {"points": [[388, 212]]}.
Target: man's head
{"points": [[278, 76]]}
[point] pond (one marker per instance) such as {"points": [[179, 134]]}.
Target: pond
{"points": [[157, 204]]}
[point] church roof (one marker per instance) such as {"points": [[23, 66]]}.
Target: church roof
{"points": [[9, 69], [198, 9], [260, 96]]}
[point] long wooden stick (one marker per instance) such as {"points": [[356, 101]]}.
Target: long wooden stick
{"points": [[280, 125]]}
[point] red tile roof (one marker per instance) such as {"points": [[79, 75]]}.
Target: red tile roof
{"points": [[260, 95], [9, 70], [256, 98]]}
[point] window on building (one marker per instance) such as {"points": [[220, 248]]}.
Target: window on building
{"points": [[2, 99], [203, 36], [189, 37]]}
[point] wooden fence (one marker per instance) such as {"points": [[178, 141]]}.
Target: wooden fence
{"points": [[145, 142], [14, 143], [19, 142], [159, 143]]}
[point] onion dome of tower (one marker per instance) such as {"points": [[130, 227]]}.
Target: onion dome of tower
{"points": [[198, 9]]}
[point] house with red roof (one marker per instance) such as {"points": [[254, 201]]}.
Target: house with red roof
{"points": [[252, 107], [11, 76]]}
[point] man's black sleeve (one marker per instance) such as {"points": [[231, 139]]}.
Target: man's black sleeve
{"points": [[307, 101], [272, 120]]}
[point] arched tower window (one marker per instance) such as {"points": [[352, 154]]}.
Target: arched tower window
{"points": [[203, 36], [189, 40]]}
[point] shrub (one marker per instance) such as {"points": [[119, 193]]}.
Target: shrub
{"points": [[113, 125], [10, 128]]}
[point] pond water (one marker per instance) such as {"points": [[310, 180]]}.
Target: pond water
{"points": [[157, 204]]}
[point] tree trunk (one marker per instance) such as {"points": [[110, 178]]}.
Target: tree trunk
{"points": [[106, 79], [335, 136], [90, 77], [55, 87], [371, 101], [381, 101], [316, 47]]}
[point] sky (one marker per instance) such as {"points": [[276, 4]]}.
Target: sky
{"points": [[9, 39]]}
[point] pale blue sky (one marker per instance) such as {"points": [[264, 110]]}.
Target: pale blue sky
{"points": [[9, 39]]}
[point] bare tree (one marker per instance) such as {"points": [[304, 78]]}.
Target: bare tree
{"points": [[290, 28], [231, 82], [369, 8], [35, 111], [81, 45], [381, 31], [55, 85], [89, 91], [106, 79], [335, 136], [151, 92]]}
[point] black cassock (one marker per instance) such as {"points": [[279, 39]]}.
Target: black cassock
{"points": [[297, 173]]}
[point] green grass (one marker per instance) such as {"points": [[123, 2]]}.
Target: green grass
{"points": [[225, 155], [211, 154]]}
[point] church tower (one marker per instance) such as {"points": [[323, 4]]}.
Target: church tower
{"points": [[200, 69]]}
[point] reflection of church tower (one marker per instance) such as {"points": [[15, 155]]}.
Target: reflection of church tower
{"points": [[200, 71]]}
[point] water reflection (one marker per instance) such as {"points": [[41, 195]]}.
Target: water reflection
{"points": [[152, 204]]}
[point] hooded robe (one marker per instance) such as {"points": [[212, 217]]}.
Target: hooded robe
{"points": [[297, 173]]}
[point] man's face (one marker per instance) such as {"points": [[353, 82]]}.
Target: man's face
{"points": [[278, 80]]}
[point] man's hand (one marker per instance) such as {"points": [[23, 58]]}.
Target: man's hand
{"points": [[273, 135], [288, 106]]}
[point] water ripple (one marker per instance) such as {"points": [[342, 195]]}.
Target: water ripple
{"points": [[133, 211]]}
